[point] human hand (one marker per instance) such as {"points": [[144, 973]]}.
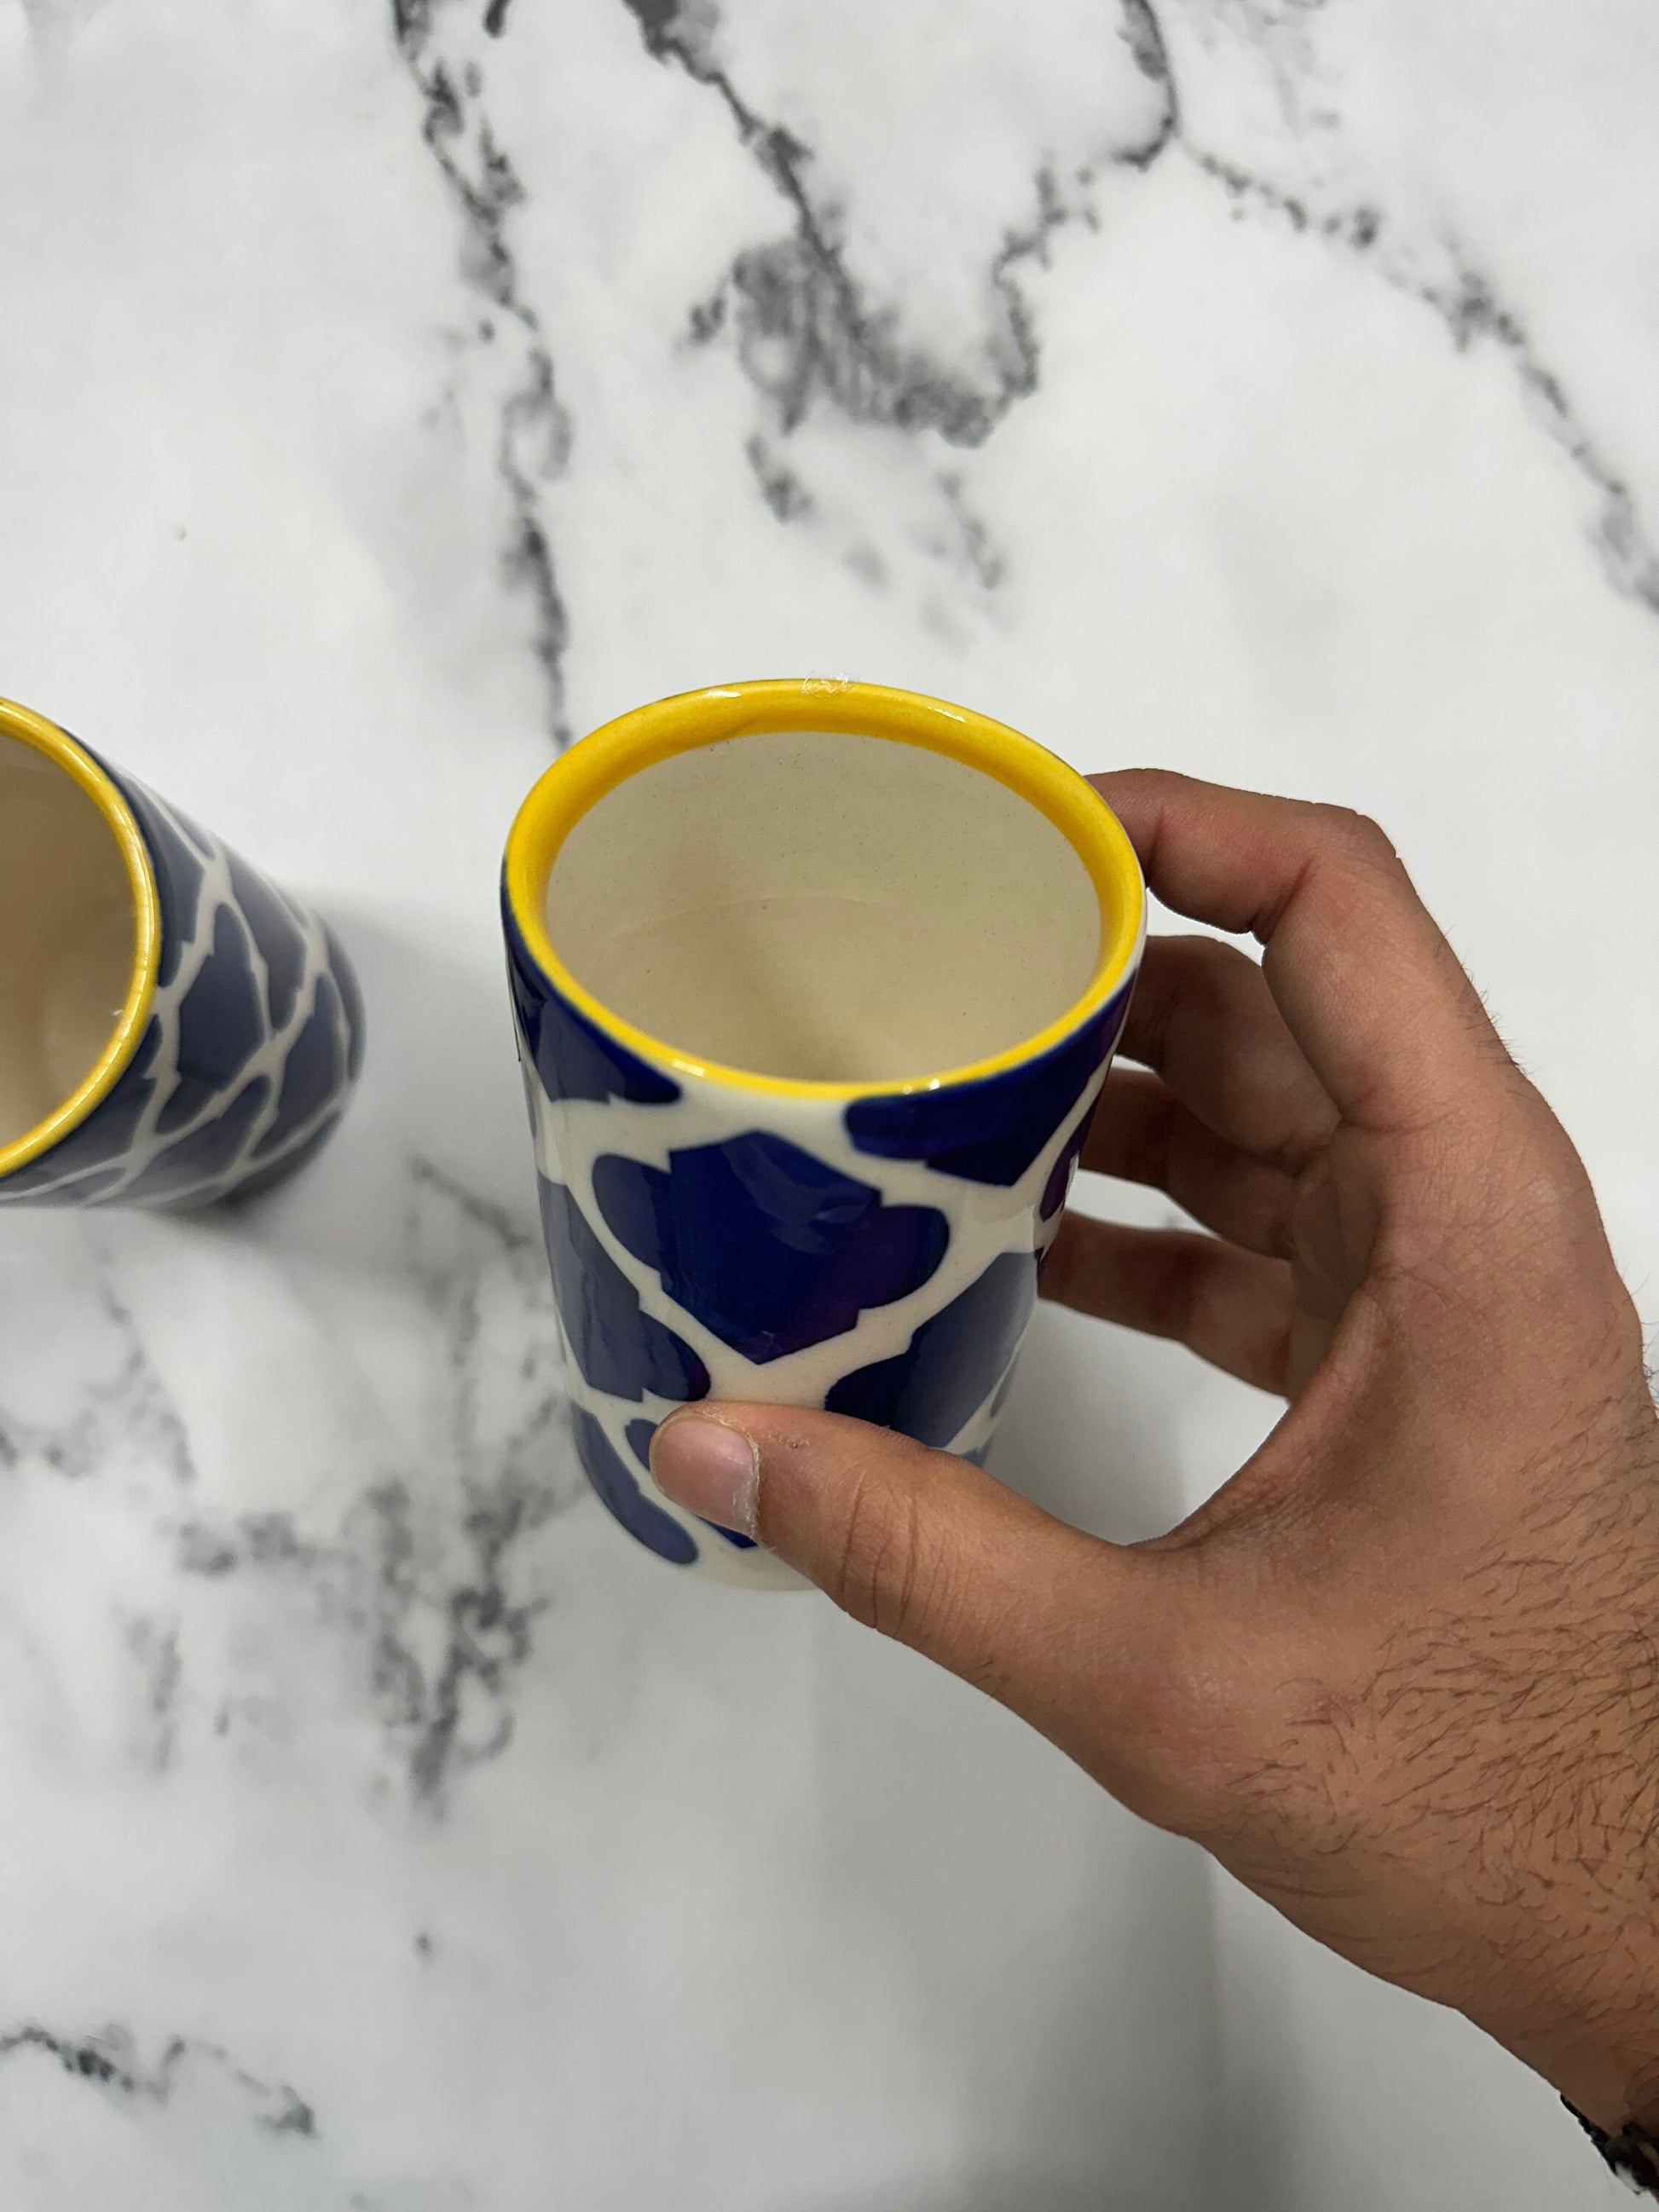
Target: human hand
{"points": [[1400, 1674]]}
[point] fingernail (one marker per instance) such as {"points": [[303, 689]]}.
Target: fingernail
{"points": [[709, 1468]]}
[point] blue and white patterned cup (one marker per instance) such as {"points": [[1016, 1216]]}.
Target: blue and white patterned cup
{"points": [[173, 1030], [815, 986]]}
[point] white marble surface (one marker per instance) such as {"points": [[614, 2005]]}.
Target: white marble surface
{"points": [[1261, 387]]}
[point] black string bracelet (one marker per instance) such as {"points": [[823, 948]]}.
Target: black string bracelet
{"points": [[1632, 2153]]}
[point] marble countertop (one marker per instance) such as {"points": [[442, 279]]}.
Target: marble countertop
{"points": [[1265, 387]]}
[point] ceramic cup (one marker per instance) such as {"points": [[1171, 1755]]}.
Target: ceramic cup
{"points": [[815, 986], [172, 1028]]}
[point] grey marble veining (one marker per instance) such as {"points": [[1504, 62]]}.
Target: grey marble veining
{"points": [[389, 395], [505, 350]]}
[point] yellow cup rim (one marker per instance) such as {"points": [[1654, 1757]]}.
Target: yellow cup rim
{"points": [[35, 730], [637, 741]]}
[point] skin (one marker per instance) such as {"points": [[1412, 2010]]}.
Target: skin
{"points": [[1400, 1673]]}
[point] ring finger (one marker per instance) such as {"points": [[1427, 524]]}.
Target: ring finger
{"points": [[1143, 1134]]}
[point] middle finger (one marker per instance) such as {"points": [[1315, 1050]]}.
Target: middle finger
{"points": [[1203, 1017], [1143, 1134]]}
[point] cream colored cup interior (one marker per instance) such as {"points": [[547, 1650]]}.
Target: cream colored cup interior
{"points": [[68, 937], [824, 907]]}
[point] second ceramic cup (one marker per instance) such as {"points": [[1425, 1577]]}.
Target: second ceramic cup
{"points": [[815, 986], [173, 1028]]}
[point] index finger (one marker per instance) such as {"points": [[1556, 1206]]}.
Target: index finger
{"points": [[1367, 984]]}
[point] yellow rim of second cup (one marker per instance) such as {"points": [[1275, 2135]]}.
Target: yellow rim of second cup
{"points": [[598, 764], [35, 730]]}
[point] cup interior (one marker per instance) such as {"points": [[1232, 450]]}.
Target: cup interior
{"points": [[824, 906], [68, 936]]}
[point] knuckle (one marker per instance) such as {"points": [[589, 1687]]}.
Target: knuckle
{"points": [[1216, 953], [1360, 836], [1553, 1199], [1213, 979], [877, 1571], [1206, 961]]}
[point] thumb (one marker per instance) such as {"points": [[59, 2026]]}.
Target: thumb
{"points": [[1081, 1639]]}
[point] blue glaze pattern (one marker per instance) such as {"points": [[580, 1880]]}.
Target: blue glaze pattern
{"points": [[931, 1389], [618, 1347], [612, 1478], [1058, 1188], [769, 1247], [992, 1130], [254, 1041]]}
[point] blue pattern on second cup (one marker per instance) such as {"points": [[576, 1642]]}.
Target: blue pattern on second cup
{"points": [[254, 1041]]}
